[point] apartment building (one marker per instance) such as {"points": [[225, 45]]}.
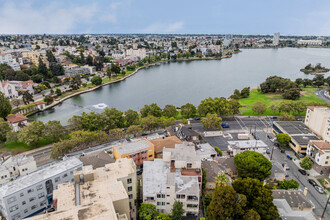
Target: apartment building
{"points": [[73, 70], [102, 193], [319, 153], [8, 59], [300, 135], [14, 167], [175, 177], [31, 194], [34, 57], [318, 120], [140, 151], [236, 147]]}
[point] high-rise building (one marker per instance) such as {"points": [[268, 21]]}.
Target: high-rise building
{"points": [[276, 39]]}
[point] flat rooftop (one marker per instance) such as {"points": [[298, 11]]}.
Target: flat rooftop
{"points": [[247, 144], [205, 149], [294, 198], [287, 213], [155, 177], [134, 146], [183, 152], [39, 175]]}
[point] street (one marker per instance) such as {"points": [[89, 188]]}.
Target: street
{"points": [[322, 95]]}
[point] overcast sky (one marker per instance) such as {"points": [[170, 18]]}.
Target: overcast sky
{"points": [[289, 17]]}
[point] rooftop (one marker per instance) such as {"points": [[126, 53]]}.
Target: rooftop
{"points": [[247, 144], [287, 213], [97, 159], [168, 142], [38, 176], [205, 150], [132, 147], [319, 107], [16, 118], [322, 145], [212, 170], [17, 160], [183, 152], [296, 199], [155, 177], [276, 168]]}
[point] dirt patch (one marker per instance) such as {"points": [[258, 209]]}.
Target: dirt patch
{"points": [[302, 93]]}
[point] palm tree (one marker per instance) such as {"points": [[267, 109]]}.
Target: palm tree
{"points": [[221, 180]]}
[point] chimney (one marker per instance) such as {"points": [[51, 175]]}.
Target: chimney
{"points": [[305, 191]]}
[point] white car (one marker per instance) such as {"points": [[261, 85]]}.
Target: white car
{"points": [[319, 189]]}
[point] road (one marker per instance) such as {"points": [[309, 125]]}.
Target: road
{"points": [[322, 95]]}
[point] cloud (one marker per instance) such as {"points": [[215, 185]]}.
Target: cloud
{"points": [[164, 28], [60, 17]]}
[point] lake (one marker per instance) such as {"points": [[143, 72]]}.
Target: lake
{"points": [[177, 83]]}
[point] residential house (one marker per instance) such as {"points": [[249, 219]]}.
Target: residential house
{"points": [[319, 153], [167, 142], [212, 169], [277, 172], [236, 147], [205, 151], [97, 159], [228, 165]]}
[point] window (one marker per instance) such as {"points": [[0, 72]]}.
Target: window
{"points": [[40, 195], [42, 203], [39, 187], [150, 198], [328, 157], [32, 198], [16, 216], [71, 172], [326, 162], [192, 205], [129, 181], [21, 195], [57, 179], [150, 155], [11, 200], [129, 189], [192, 198], [65, 175], [189, 165], [25, 210], [13, 208], [34, 206], [130, 196], [23, 203], [160, 195], [30, 190]]}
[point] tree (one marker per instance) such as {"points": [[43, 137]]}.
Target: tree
{"points": [[286, 117], [170, 111], [177, 210], [204, 180], [251, 215], [212, 121], [134, 130], [306, 163], [283, 139], [96, 80], [54, 131], [58, 92], [113, 118], [299, 81], [299, 107], [11, 136], [131, 117], [292, 93], [221, 180], [31, 133], [288, 184], [252, 164], [166, 122], [218, 151], [147, 211], [188, 110], [115, 68], [4, 129], [75, 82], [150, 123], [42, 68], [286, 106], [162, 216], [116, 134], [15, 102], [226, 204], [245, 92], [274, 108], [27, 97], [318, 80], [5, 106], [259, 108], [307, 82], [152, 109], [258, 196]]}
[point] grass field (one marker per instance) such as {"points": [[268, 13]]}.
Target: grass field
{"points": [[19, 147], [269, 99]]}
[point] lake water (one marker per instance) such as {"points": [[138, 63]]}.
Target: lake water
{"points": [[177, 83]]}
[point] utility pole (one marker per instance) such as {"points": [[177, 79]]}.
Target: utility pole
{"points": [[326, 204]]}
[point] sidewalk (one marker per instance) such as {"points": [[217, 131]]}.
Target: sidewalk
{"points": [[296, 161]]}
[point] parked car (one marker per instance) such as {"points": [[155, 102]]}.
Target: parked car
{"points": [[267, 151], [303, 172], [312, 182], [286, 174], [276, 144], [225, 125], [197, 119], [269, 137], [319, 189], [274, 117]]}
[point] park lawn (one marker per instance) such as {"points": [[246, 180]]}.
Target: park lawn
{"points": [[269, 99], [19, 147]]}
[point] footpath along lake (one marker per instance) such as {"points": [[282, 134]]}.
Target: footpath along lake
{"points": [[177, 83]]}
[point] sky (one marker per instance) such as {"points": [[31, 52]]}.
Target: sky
{"points": [[289, 17]]}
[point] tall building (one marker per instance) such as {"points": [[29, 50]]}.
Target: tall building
{"points": [[318, 120], [104, 193], [31, 194], [228, 39], [175, 177], [276, 39]]}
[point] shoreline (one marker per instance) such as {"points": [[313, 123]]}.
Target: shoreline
{"points": [[121, 79]]}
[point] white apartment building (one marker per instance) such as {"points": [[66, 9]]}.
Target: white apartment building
{"points": [[104, 193], [310, 42], [8, 59], [31, 194], [175, 177], [14, 167], [318, 120], [136, 55], [228, 39], [319, 153], [236, 147], [276, 39], [73, 70]]}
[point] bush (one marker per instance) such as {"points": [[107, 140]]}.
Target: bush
{"points": [[96, 80], [218, 151]]}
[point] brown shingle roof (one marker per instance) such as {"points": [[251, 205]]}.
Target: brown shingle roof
{"points": [[168, 142], [323, 145], [16, 118], [98, 159]]}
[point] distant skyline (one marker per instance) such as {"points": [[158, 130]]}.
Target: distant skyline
{"points": [[293, 17]]}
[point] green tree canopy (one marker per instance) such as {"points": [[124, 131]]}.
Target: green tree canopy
{"points": [[306, 163], [283, 139], [212, 121], [54, 131], [170, 111], [177, 211], [116, 134], [259, 108], [147, 211], [4, 129], [96, 80], [32, 133], [252, 164], [134, 130], [288, 184], [188, 110], [5, 106], [131, 117]]}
